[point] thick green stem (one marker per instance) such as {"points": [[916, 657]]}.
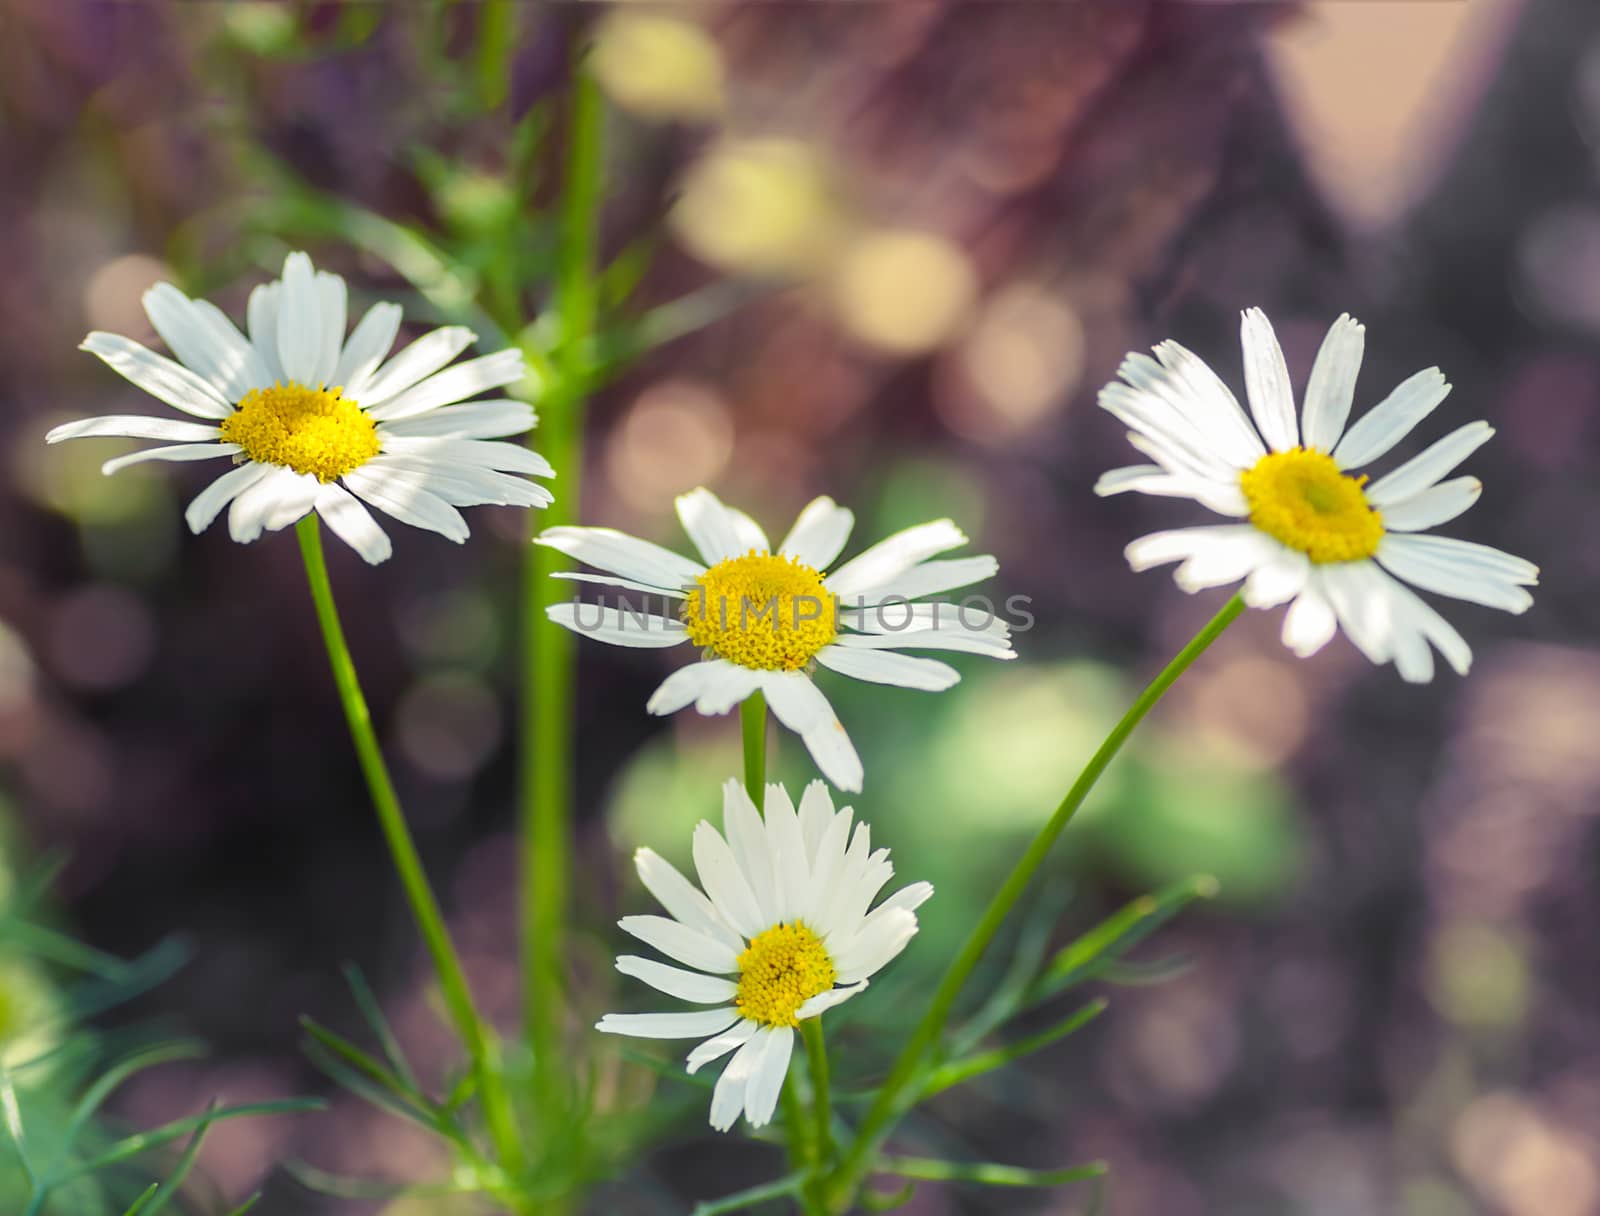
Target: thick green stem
{"points": [[753, 721], [887, 1106], [476, 1035], [548, 653]]}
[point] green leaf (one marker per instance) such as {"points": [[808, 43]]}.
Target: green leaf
{"points": [[382, 1096], [1118, 933], [132, 1146], [144, 1198], [115, 1076], [11, 1110], [958, 1071], [373, 1012], [741, 1200], [888, 1201], [931, 1169], [163, 1194]]}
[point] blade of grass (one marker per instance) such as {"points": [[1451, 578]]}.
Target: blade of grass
{"points": [[931, 1169]]}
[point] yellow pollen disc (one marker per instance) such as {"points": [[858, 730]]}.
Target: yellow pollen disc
{"points": [[309, 430], [761, 611], [779, 971], [1303, 499]]}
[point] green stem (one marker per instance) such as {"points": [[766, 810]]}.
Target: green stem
{"points": [[886, 1107], [822, 1104], [548, 652], [753, 720], [476, 1035]]}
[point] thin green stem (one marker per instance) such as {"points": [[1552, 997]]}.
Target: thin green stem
{"points": [[476, 1035], [821, 1102], [887, 1107], [548, 653], [753, 721]]}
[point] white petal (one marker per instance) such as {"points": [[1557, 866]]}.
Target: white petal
{"points": [[368, 343], [1165, 423], [1455, 568], [890, 558], [881, 938], [494, 419], [690, 1025], [771, 1070], [1436, 629], [1266, 379], [1436, 505], [408, 503], [422, 358], [205, 340], [674, 981], [262, 317], [611, 580], [1159, 548], [1392, 419], [678, 941], [1225, 498], [725, 883], [459, 485], [816, 816], [1277, 581], [800, 705], [825, 1001], [177, 452], [727, 1100], [1201, 389], [353, 523], [828, 862], [901, 617], [738, 1035], [909, 897], [786, 846], [751, 534], [747, 837], [208, 504], [990, 646], [682, 899], [133, 426], [1365, 613], [1332, 386], [1310, 623], [927, 578], [819, 533], [333, 301], [1428, 466], [886, 667], [706, 520], [157, 375], [299, 321], [618, 553], [451, 385], [273, 502], [641, 630], [483, 453], [681, 687], [1227, 557]]}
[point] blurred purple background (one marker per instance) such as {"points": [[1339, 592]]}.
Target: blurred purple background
{"points": [[946, 223]]}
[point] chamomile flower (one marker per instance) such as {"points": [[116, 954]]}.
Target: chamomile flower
{"points": [[763, 618], [317, 422], [1317, 535], [781, 932]]}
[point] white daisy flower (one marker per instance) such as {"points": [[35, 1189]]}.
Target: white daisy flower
{"points": [[764, 617], [1317, 534], [317, 422], [780, 933]]}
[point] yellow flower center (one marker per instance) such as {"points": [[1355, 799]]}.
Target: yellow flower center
{"points": [[761, 611], [779, 971], [310, 430], [1302, 498]]}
